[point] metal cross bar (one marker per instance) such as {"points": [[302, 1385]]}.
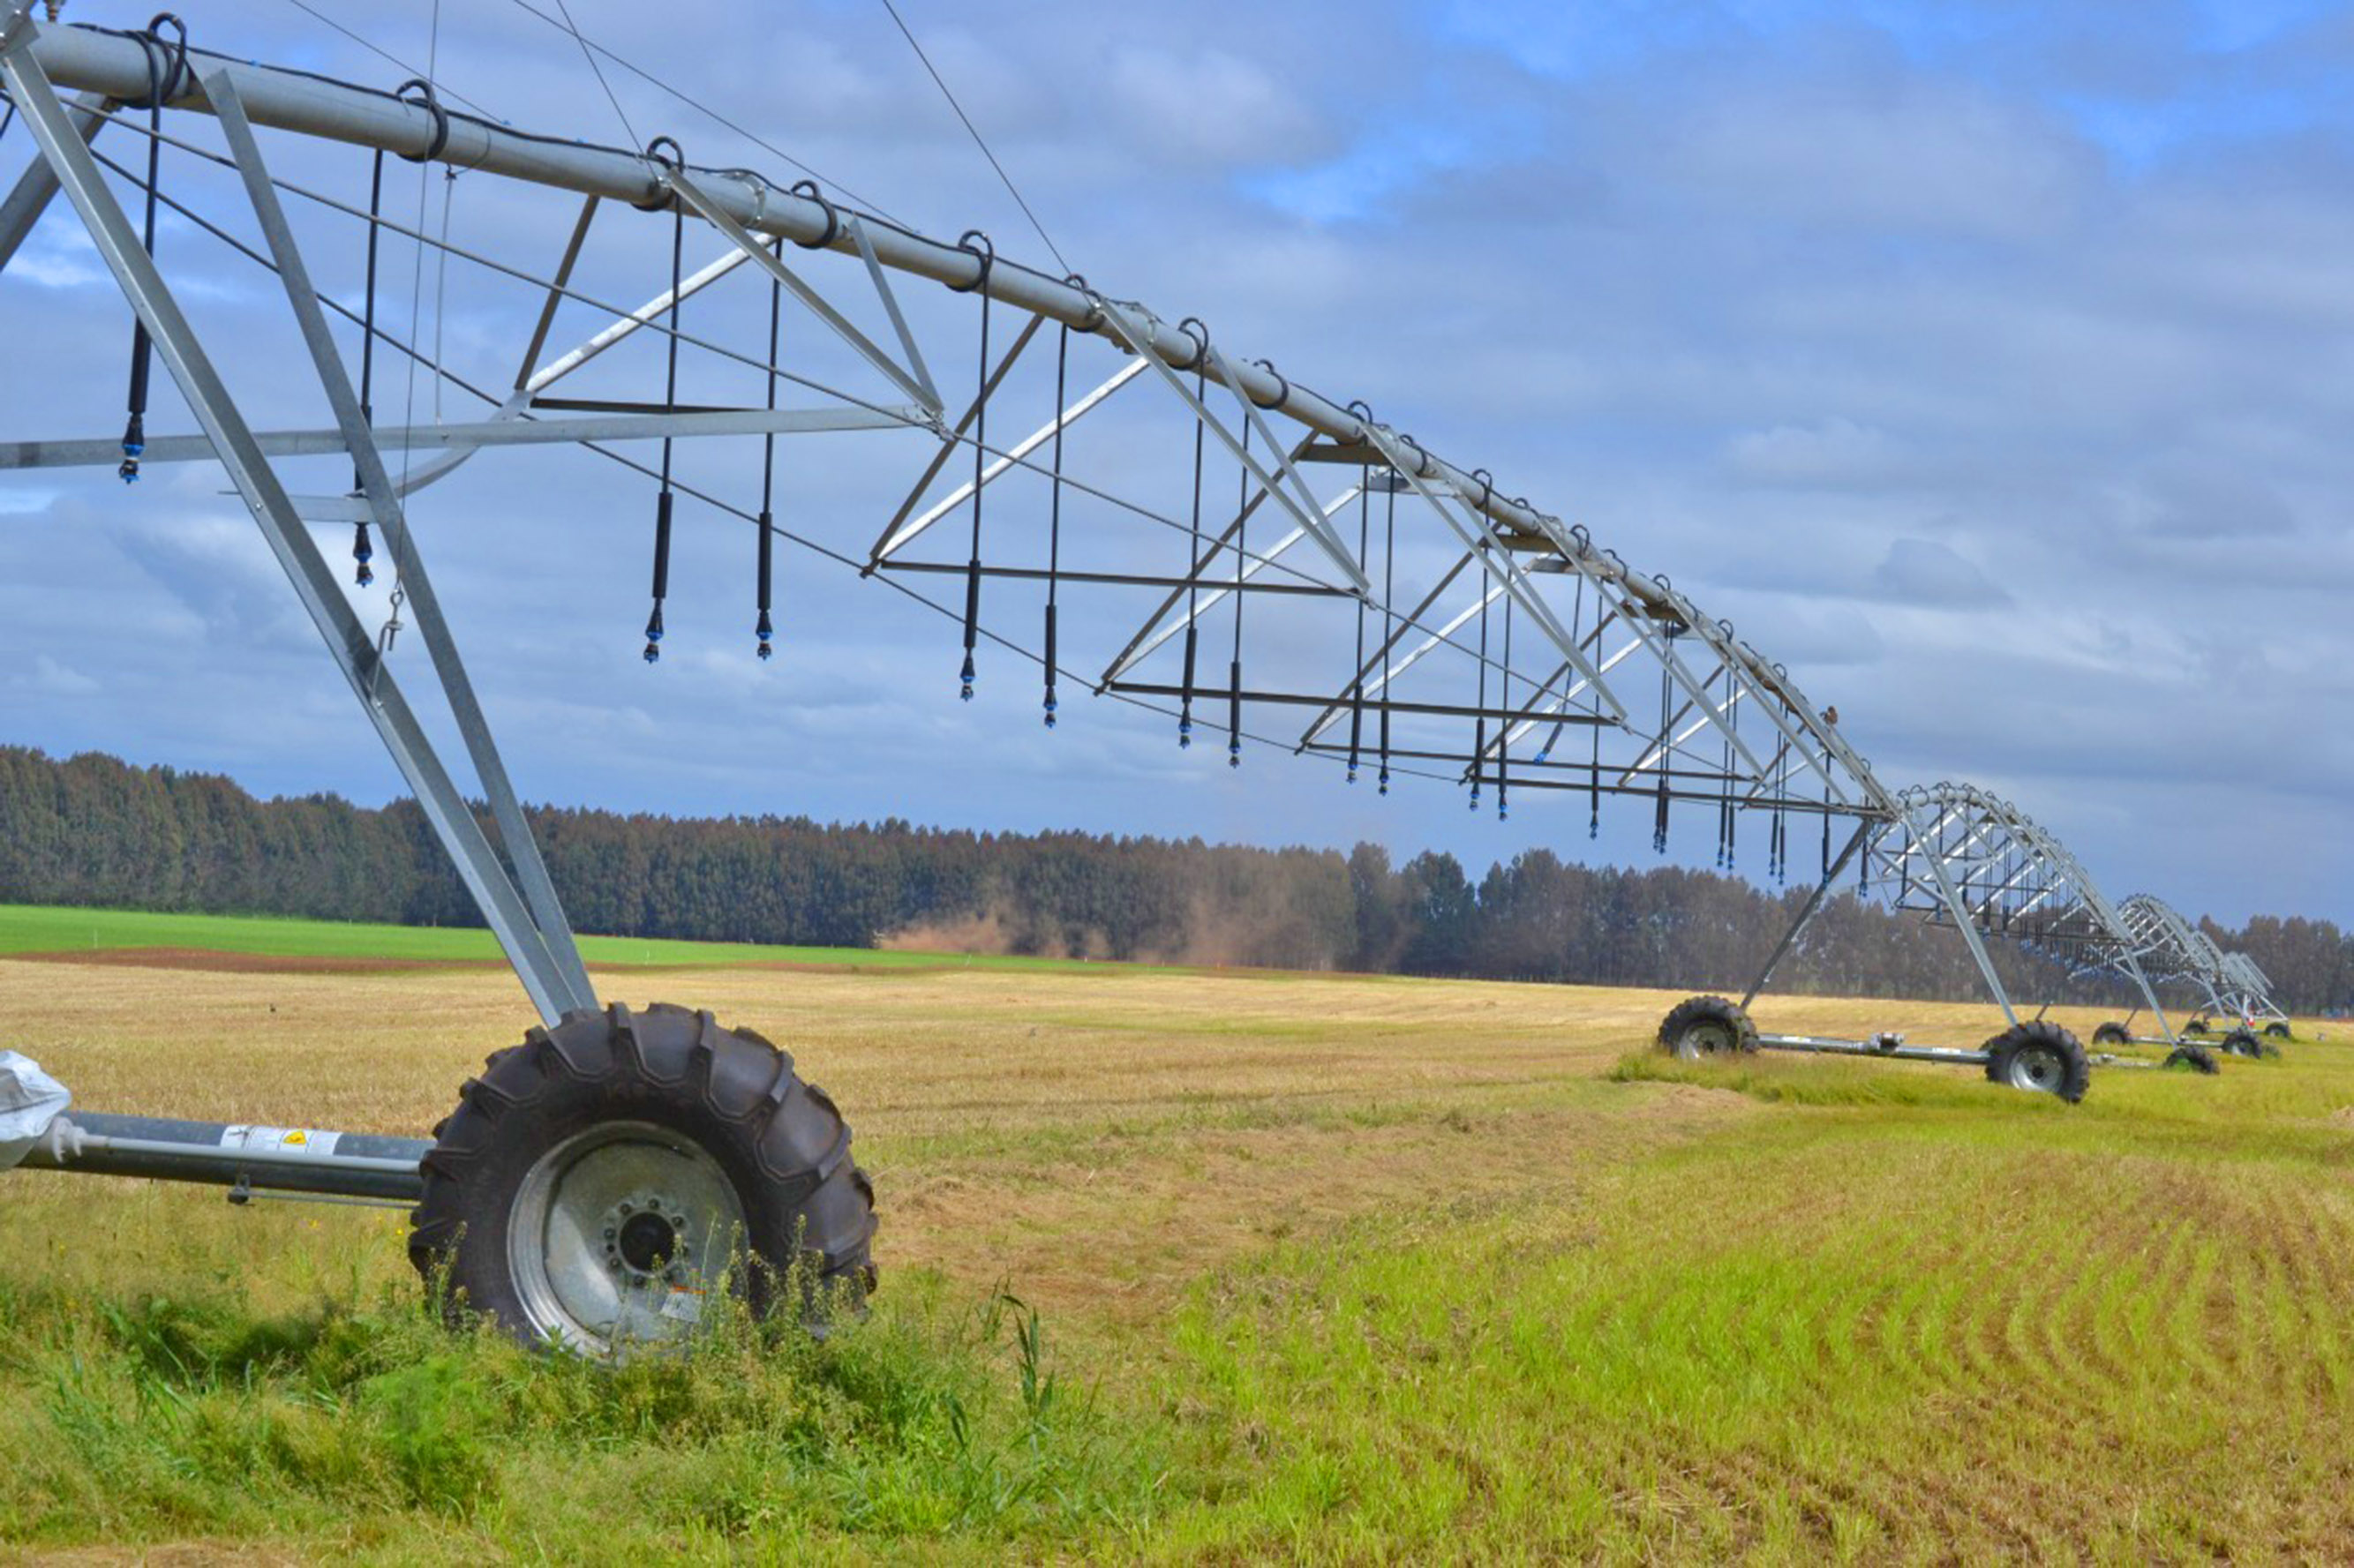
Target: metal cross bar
{"points": [[469, 436]]}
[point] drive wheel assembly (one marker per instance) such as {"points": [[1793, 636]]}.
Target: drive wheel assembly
{"points": [[2041, 1058], [2243, 1043], [2112, 1034], [598, 1181], [2276, 1030], [2193, 1057], [1704, 1026]]}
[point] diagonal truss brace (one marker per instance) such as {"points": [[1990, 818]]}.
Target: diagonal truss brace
{"points": [[1138, 339], [347, 639], [916, 382], [557, 954]]}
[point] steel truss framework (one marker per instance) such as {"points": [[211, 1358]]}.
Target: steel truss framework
{"points": [[1485, 642], [2171, 949]]}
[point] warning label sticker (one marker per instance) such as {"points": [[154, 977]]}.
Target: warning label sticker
{"points": [[290, 1140]]}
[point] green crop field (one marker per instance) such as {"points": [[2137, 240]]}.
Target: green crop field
{"points": [[34, 928], [1199, 1265]]}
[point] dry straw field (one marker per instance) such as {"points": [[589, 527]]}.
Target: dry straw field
{"points": [[1182, 1265]]}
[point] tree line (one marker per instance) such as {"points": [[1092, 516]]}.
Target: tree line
{"points": [[94, 831]]}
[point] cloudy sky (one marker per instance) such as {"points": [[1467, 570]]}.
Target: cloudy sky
{"points": [[1985, 364]]}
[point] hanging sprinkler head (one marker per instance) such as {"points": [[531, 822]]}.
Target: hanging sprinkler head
{"points": [[134, 444], [765, 630], [653, 635]]}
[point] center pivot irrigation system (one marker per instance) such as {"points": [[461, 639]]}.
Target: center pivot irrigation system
{"points": [[1410, 619]]}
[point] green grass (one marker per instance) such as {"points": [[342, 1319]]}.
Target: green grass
{"points": [[1778, 1308], [354, 1426], [32, 928]]}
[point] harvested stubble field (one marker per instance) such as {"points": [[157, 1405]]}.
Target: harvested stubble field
{"points": [[1184, 1265]]}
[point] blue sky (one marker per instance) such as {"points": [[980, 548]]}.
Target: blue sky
{"points": [[1987, 364]]}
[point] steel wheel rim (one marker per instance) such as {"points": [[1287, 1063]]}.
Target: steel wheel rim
{"points": [[2038, 1069], [1703, 1039], [617, 1235]]}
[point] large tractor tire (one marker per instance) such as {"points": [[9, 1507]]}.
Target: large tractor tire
{"points": [[2196, 1026], [599, 1180], [2112, 1034], [2243, 1043], [2041, 1058], [2276, 1030], [2193, 1057], [1704, 1026]]}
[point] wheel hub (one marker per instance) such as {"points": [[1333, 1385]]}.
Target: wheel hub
{"points": [[1704, 1039], [2037, 1069], [616, 1235], [643, 1239]]}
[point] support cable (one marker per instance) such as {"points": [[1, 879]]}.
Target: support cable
{"points": [[1504, 726], [1200, 335], [1479, 717], [979, 244], [1364, 554], [978, 140], [764, 629], [167, 78], [1659, 819], [1054, 517], [1389, 618], [664, 499], [363, 548], [1242, 546]]}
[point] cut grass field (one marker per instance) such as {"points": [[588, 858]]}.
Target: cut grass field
{"points": [[1338, 1268]]}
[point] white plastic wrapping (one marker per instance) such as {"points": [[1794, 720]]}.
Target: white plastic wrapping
{"points": [[29, 1100]]}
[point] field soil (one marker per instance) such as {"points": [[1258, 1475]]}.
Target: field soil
{"points": [[1336, 1267]]}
